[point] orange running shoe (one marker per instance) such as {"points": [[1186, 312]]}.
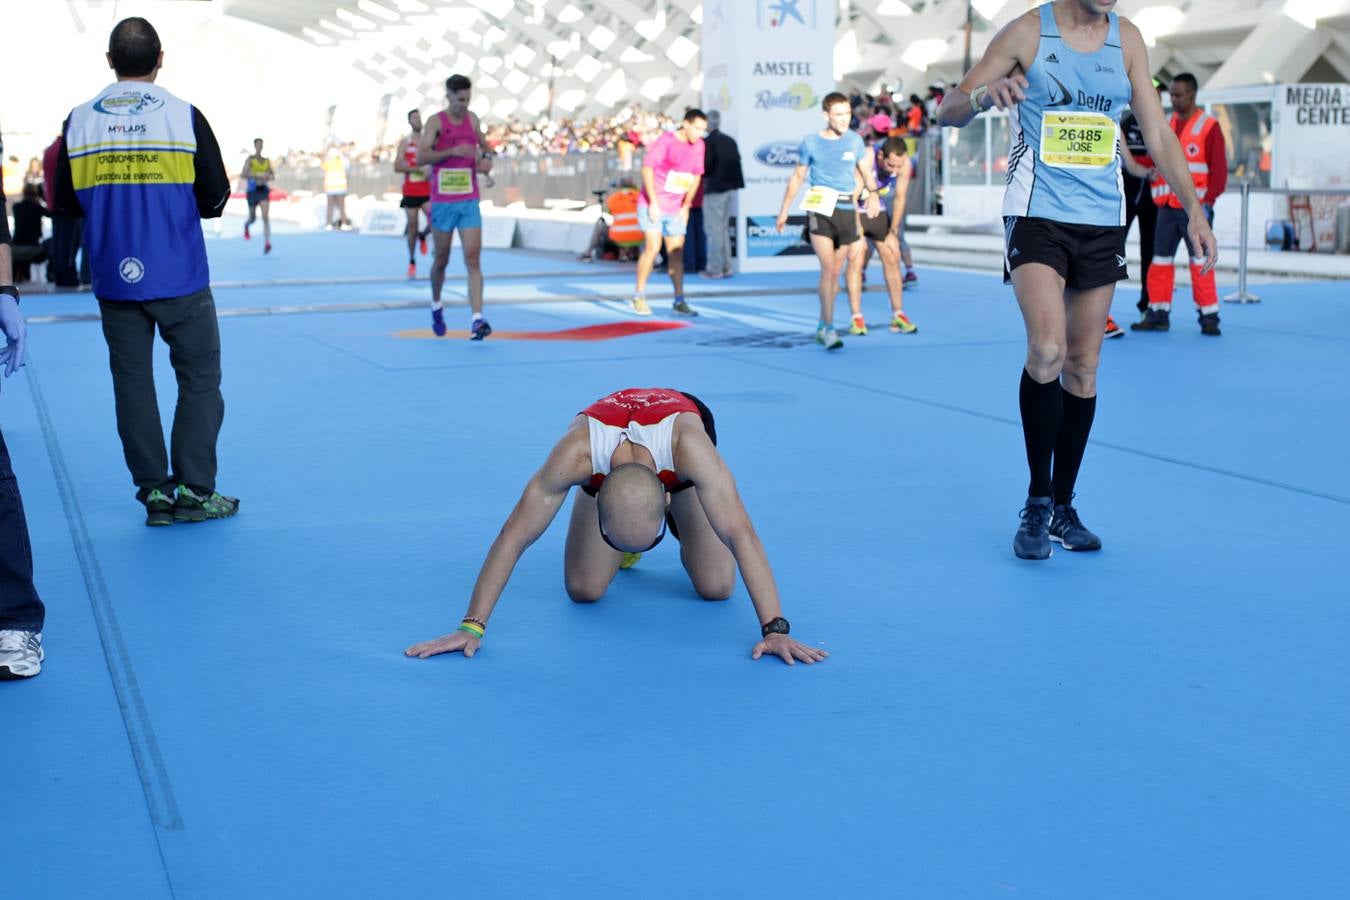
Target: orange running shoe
{"points": [[901, 324], [412, 270], [1112, 329], [422, 243]]}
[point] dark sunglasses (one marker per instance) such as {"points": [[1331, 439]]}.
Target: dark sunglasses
{"points": [[600, 522]]}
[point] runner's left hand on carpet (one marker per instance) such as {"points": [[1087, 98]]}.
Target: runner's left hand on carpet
{"points": [[788, 650]]}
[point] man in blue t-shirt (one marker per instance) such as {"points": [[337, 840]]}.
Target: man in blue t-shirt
{"points": [[828, 162]]}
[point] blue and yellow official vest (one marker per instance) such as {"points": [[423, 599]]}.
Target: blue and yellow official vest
{"points": [[132, 160]]}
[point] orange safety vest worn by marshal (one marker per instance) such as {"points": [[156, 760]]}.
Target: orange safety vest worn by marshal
{"points": [[1193, 140], [623, 205]]}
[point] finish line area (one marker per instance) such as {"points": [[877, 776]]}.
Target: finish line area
{"points": [[227, 711]]}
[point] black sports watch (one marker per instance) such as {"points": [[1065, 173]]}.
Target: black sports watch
{"points": [[775, 626], [11, 290]]}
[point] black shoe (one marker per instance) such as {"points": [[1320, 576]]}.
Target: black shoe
{"points": [[158, 508], [194, 507], [1032, 540], [1069, 531], [1209, 324], [1153, 320], [480, 330]]}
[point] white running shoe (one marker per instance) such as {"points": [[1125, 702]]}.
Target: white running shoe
{"points": [[829, 338], [20, 654], [640, 305]]}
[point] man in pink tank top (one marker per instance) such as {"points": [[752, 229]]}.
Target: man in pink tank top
{"points": [[646, 460], [454, 145], [671, 174]]}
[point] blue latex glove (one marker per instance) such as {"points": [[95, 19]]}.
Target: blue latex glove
{"points": [[16, 334]]}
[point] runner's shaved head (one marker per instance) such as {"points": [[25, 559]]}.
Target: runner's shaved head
{"points": [[632, 504]]}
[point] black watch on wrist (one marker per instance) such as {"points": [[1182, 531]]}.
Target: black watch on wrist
{"points": [[11, 290], [775, 626]]}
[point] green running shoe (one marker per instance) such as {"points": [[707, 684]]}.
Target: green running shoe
{"points": [[158, 508], [193, 507]]}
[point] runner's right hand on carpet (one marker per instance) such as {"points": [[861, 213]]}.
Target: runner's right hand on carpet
{"points": [[455, 640]]}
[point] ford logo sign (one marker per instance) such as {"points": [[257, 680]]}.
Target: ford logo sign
{"points": [[779, 154]]}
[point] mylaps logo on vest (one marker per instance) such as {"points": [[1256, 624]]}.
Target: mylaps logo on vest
{"points": [[126, 129], [128, 103]]}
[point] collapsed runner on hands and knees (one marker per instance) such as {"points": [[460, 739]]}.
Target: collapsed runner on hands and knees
{"points": [[1065, 72], [645, 460], [829, 162]]}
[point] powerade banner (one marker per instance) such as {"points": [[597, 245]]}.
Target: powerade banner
{"points": [[766, 241], [767, 64]]}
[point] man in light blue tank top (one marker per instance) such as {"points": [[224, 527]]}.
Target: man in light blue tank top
{"points": [[1064, 72], [828, 162]]}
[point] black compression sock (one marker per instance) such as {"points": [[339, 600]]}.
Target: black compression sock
{"points": [[1074, 426], [1041, 407]]}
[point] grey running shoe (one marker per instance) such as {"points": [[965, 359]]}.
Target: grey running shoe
{"points": [[1069, 531], [683, 308], [158, 508], [828, 338], [20, 654], [1032, 540], [193, 507]]}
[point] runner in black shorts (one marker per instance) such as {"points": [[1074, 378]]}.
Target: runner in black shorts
{"points": [[829, 161], [1065, 218], [885, 232], [416, 189], [257, 177]]}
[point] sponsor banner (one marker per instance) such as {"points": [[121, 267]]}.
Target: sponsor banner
{"points": [[767, 64], [763, 239]]}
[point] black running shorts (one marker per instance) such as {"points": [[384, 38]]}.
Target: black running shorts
{"points": [[1085, 256], [841, 226], [876, 227], [413, 202], [259, 196]]}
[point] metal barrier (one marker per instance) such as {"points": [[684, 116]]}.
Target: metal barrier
{"points": [[527, 179], [572, 176], [1242, 295]]}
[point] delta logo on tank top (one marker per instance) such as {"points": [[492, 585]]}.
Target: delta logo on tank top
{"points": [[1064, 163]]}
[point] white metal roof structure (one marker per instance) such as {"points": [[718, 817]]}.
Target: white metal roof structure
{"points": [[600, 54]]}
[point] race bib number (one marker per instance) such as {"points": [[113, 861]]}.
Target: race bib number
{"points": [[455, 181], [679, 182], [417, 175], [1078, 140], [820, 200]]}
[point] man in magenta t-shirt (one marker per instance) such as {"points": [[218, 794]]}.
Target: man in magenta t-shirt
{"points": [[671, 173]]}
